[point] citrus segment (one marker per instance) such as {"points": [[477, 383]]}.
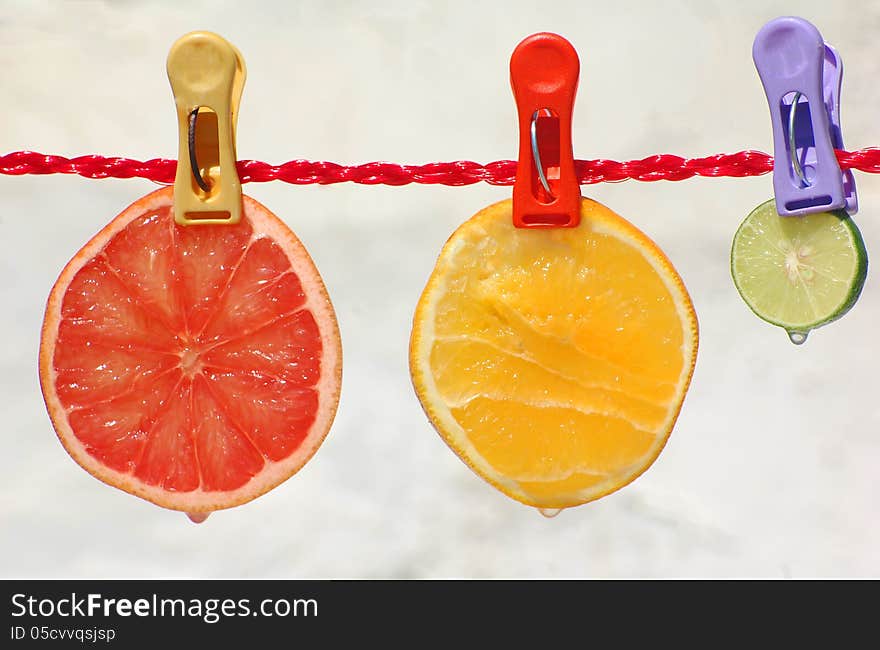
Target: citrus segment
{"points": [[553, 361], [798, 272], [278, 413], [262, 288], [206, 258], [113, 431], [167, 457], [196, 366], [227, 457], [287, 349], [138, 256], [99, 307]]}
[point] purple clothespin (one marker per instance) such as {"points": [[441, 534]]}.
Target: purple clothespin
{"points": [[801, 76]]}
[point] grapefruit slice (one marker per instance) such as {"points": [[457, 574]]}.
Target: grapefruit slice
{"points": [[554, 362], [196, 367]]}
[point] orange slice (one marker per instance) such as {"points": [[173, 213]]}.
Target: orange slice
{"points": [[195, 366], [554, 362]]}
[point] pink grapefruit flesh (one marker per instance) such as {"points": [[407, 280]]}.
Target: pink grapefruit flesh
{"points": [[194, 366]]}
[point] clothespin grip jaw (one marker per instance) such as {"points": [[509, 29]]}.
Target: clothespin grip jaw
{"points": [[207, 75], [802, 76], [544, 71], [832, 82]]}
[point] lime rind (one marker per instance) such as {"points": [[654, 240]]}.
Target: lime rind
{"points": [[798, 272]]}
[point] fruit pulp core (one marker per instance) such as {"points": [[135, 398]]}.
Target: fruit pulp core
{"points": [[797, 262], [189, 361], [187, 356]]}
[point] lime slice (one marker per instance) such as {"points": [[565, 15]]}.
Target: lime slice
{"points": [[798, 272]]}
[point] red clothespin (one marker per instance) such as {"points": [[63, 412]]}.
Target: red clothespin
{"points": [[544, 71]]}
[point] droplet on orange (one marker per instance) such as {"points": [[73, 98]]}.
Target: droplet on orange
{"points": [[554, 362], [194, 366]]}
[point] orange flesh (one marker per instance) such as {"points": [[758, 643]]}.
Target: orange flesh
{"points": [[186, 357], [558, 359]]}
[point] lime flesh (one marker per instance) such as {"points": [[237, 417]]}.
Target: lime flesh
{"points": [[798, 272]]}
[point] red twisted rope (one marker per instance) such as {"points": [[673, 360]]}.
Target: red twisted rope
{"points": [[303, 172]]}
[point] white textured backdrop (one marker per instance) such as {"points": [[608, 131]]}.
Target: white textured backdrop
{"points": [[774, 467]]}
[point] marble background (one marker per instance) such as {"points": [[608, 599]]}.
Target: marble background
{"points": [[772, 470]]}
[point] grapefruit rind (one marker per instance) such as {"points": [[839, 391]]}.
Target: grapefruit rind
{"points": [[601, 220], [328, 386]]}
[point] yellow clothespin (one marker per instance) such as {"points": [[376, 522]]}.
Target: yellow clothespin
{"points": [[207, 76]]}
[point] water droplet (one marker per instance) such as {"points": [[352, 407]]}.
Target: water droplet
{"points": [[198, 517], [798, 338], [549, 512]]}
